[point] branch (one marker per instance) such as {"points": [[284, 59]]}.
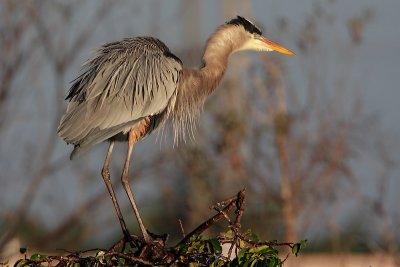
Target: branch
{"points": [[130, 258], [234, 201]]}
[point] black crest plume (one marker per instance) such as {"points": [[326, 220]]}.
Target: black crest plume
{"points": [[247, 25]]}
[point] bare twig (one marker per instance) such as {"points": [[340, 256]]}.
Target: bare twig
{"points": [[240, 201], [218, 205], [268, 243], [121, 243], [207, 224], [130, 258], [182, 230]]}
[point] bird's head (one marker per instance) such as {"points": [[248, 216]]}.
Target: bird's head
{"points": [[250, 37]]}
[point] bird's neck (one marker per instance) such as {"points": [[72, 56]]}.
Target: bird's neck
{"points": [[196, 84], [215, 59]]}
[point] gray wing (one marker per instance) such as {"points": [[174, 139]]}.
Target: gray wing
{"points": [[125, 82]]}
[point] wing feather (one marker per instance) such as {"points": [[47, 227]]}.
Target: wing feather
{"points": [[125, 82]]}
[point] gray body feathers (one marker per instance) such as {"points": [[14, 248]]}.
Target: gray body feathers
{"points": [[122, 84]]}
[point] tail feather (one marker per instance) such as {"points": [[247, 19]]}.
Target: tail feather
{"points": [[97, 135]]}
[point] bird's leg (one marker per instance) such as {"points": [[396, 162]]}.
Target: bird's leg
{"points": [[105, 172], [125, 182]]}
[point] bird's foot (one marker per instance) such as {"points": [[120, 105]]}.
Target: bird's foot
{"points": [[131, 240], [134, 242], [154, 247]]}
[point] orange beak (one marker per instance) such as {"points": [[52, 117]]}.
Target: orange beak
{"points": [[276, 47]]}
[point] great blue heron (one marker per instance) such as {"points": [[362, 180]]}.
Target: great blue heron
{"points": [[132, 87]]}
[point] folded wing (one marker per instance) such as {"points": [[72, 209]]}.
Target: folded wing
{"points": [[125, 82]]}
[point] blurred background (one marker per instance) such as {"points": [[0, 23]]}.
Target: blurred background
{"points": [[312, 138]]}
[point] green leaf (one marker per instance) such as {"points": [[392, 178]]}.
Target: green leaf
{"points": [[254, 237], [298, 246], [215, 246], [23, 250], [242, 254], [273, 262], [38, 257], [254, 262], [296, 249], [21, 263], [303, 243], [261, 248], [121, 261], [248, 262], [229, 233]]}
